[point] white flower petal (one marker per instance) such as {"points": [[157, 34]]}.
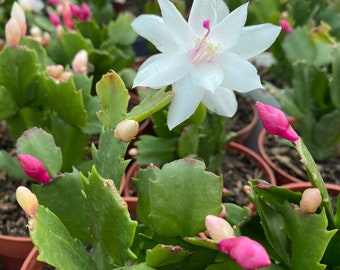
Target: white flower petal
{"points": [[239, 74], [208, 76], [176, 24], [152, 28], [228, 31], [186, 99], [255, 39], [222, 101], [213, 10], [162, 69]]}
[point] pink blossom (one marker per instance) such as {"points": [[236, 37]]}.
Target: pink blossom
{"points": [[66, 14], [275, 122], [34, 168], [246, 252], [286, 27], [54, 19]]}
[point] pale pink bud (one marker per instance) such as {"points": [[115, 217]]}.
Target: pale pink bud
{"points": [[18, 13], [13, 33], [285, 25], [27, 200], [246, 252], [46, 39], [54, 19], [79, 62], [218, 228], [311, 200], [275, 122], [126, 130], [57, 73], [223, 212], [34, 168]]}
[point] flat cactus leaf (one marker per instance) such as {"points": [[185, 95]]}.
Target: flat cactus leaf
{"points": [[109, 218], [55, 244], [40, 144]]}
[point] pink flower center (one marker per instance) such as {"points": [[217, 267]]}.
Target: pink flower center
{"points": [[205, 50]]}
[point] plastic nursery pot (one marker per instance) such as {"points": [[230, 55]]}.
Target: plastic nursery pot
{"points": [[31, 262], [257, 159], [13, 251], [282, 177]]}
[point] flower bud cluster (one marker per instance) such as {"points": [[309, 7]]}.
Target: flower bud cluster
{"points": [[246, 252]]}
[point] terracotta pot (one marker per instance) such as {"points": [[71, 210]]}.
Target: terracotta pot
{"points": [[282, 177], [301, 186], [132, 172], [31, 262], [244, 133], [13, 251]]}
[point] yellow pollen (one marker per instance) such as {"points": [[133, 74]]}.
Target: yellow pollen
{"points": [[204, 51]]}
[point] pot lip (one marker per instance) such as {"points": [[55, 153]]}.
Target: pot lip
{"points": [[276, 168], [303, 185], [31, 260], [11, 238]]}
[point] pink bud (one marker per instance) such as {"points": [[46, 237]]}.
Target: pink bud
{"points": [[13, 33], [76, 10], [34, 168], [218, 228], [85, 12], [27, 200], [19, 15], [79, 62], [311, 200], [275, 122], [54, 19], [248, 253], [286, 27]]}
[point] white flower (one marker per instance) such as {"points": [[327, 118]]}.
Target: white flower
{"points": [[34, 5], [205, 58]]}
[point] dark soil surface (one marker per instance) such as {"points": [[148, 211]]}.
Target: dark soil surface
{"points": [[12, 217], [243, 116], [287, 159], [237, 170]]}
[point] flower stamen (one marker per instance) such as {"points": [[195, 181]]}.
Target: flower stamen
{"points": [[205, 50]]}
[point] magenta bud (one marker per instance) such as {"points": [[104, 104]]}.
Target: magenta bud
{"points": [[246, 252], [34, 168], [285, 25], [276, 122], [54, 19]]}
